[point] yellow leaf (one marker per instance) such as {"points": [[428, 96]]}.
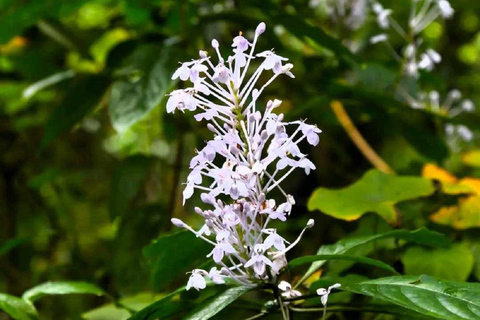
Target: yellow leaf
{"points": [[435, 172], [472, 158], [450, 183], [465, 215], [472, 183]]}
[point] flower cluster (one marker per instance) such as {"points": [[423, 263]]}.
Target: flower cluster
{"points": [[252, 152], [422, 14]]}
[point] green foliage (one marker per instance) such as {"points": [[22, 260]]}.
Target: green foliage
{"points": [[17, 308], [61, 288], [84, 94], [173, 255], [145, 81], [375, 192], [217, 303], [455, 263], [326, 257], [421, 236], [425, 295]]}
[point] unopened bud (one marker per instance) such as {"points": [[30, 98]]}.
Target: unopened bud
{"points": [[202, 54], [211, 128], [260, 29], [215, 44], [310, 223], [178, 223]]}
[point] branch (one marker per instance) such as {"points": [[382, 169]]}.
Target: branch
{"points": [[358, 139]]}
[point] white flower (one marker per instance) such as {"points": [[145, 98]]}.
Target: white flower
{"points": [[197, 280], [324, 293]]}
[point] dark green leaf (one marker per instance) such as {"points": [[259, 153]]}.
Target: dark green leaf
{"points": [[374, 192], [82, 98], [126, 181], [145, 85], [17, 308], [426, 295], [420, 236], [157, 309], [297, 26], [173, 255], [11, 244], [61, 288], [325, 257], [217, 303]]}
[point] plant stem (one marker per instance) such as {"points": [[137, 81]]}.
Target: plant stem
{"points": [[358, 139]]}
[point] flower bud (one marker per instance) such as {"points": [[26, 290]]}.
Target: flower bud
{"points": [[260, 29], [310, 223], [215, 44], [178, 223]]}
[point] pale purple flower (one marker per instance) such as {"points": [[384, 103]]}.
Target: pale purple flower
{"points": [[252, 152]]}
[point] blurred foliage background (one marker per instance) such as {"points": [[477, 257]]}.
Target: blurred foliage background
{"points": [[91, 165]]}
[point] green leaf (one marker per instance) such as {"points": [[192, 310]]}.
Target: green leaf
{"points": [[112, 311], [173, 255], [144, 87], [83, 96], [126, 181], [420, 236], [374, 192], [217, 303], [325, 257], [11, 244], [455, 263], [17, 308], [297, 26], [156, 309], [426, 295], [61, 288]]}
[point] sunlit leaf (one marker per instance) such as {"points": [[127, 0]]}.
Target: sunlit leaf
{"points": [[61, 288], [450, 184], [17, 308], [462, 216], [426, 295], [454, 263], [374, 192]]}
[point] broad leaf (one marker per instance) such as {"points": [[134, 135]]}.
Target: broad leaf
{"points": [[420, 236], [173, 255], [142, 90], [61, 288], [157, 309], [325, 257], [17, 308], [426, 295], [216, 304], [374, 192], [439, 262], [83, 96]]}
